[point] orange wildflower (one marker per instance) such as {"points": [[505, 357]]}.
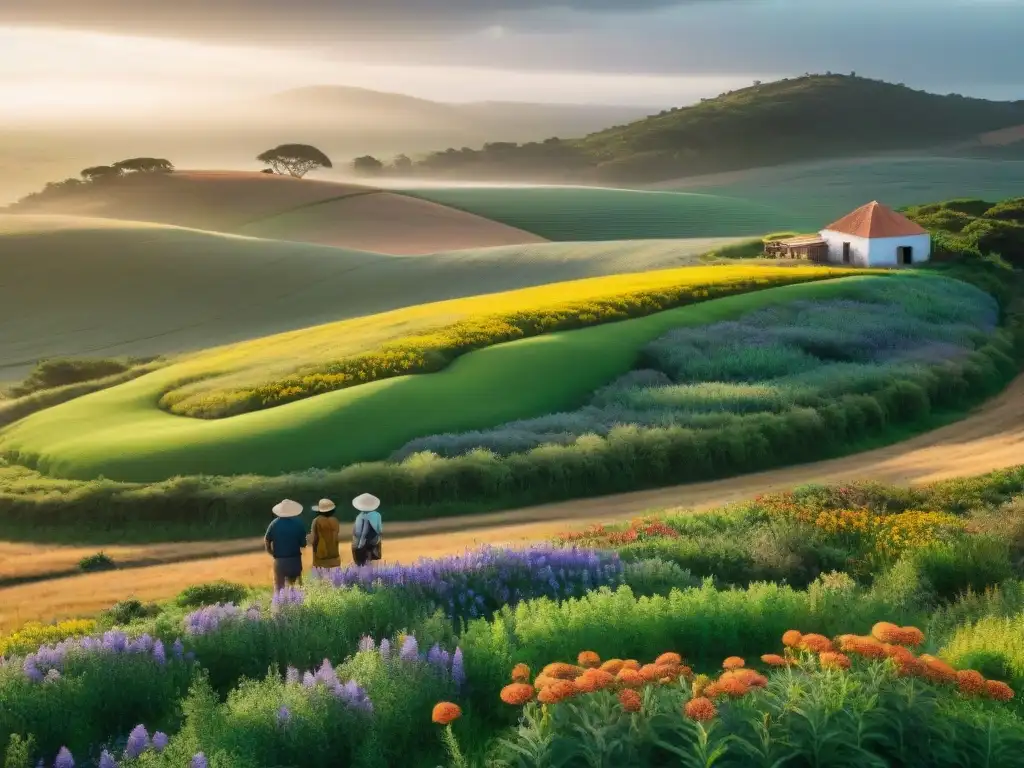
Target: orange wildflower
{"points": [[733, 662], [631, 664], [937, 670], [868, 647], [686, 673], [629, 678], [774, 660], [562, 671], [733, 687], [886, 632], [700, 709], [517, 694], [791, 638], [815, 643], [543, 681], [630, 700], [593, 680], [712, 690], [651, 672], [750, 678], [588, 659], [669, 658], [911, 636], [557, 691], [833, 660], [998, 690], [970, 682], [613, 666], [520, 673], [446, 712]]}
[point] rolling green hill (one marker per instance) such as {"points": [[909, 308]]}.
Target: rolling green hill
{"points": [[824, 191], [811, 117], [96, 287], [595, 213]]}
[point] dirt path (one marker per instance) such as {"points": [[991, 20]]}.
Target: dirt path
{"points": [[991, 438]]}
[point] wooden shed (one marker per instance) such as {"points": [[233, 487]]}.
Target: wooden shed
{"points": [[810, 247]]}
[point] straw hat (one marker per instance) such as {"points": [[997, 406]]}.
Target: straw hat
{"points": [[288, 508], [325, 505], [366, 502]]}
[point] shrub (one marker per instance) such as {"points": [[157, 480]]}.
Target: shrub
{"points": [[211, 593], [131, 609], [60, 372], [972, 563], [655, 576], [993, 645], [97, 562]]}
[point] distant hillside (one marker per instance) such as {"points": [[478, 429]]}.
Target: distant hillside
{"points": [[350, 109], [807, 118]]}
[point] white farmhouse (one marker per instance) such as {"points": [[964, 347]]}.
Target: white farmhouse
{"points": [[876, 236]]}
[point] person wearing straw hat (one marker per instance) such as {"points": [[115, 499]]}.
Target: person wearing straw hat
{"points": [[326, 531], [285, 539], [367, 531]]}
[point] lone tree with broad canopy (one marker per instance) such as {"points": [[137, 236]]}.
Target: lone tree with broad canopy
{"points": [[295, 159], [367, 165], [144, 165]]}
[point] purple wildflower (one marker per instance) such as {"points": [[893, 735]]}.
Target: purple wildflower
{"points": [[159, 653], [385, 649], [199, 761], [178, 649], [64, 759], [410, 649], [160, 741], [291, 676], [106, 760], [287, 596], [458, 670], [138, 741], [283, 715], [367, 643]]}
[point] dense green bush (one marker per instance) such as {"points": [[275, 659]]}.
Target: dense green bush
{"points": [[211, 594], [60, 372], [973, 563]]}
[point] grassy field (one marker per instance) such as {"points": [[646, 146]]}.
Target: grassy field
{"points": [[92, 287], [818, 193], [121, 434], [593, 213]]}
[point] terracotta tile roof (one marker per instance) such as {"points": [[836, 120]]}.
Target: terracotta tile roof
{"points": [[876, 220]]}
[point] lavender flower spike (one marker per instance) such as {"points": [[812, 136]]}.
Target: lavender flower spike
{"points": [[458, 669], [106, 760], [199, 761], [160, 741], [138, 741], [64, 759]]}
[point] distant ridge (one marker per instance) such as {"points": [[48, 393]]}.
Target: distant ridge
{"points": [[813, 117]]}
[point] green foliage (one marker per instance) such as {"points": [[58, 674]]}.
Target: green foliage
{"points": [[294, 159], [19, 752], [97, 562], [654, 576], [126, 611], [975, 227], [806, 717], [211, 594], [973, 563]]}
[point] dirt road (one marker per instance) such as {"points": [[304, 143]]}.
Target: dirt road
{"points": [[991, 438]]}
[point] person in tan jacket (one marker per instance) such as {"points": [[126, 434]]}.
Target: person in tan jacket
{"points": [[326, 530]]}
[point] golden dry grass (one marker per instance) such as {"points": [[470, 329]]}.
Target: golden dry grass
{"points": [[992, 438]]}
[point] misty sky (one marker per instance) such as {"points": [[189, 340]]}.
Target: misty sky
{"points": [[101, 53]]}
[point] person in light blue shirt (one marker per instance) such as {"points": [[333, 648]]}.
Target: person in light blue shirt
{"points": [[367, 531]]}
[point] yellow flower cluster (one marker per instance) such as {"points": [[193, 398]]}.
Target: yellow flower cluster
{"points": [[887, 536], [32, 635], [432, 350]]}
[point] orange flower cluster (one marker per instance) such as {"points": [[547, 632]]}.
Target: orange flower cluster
{"points": [[559, 681], [445, 712], [700, 709], [733, 662], [892, 642], [640, 529]]}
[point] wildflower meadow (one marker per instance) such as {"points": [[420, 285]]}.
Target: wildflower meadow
{"points": [[823, 626]]}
